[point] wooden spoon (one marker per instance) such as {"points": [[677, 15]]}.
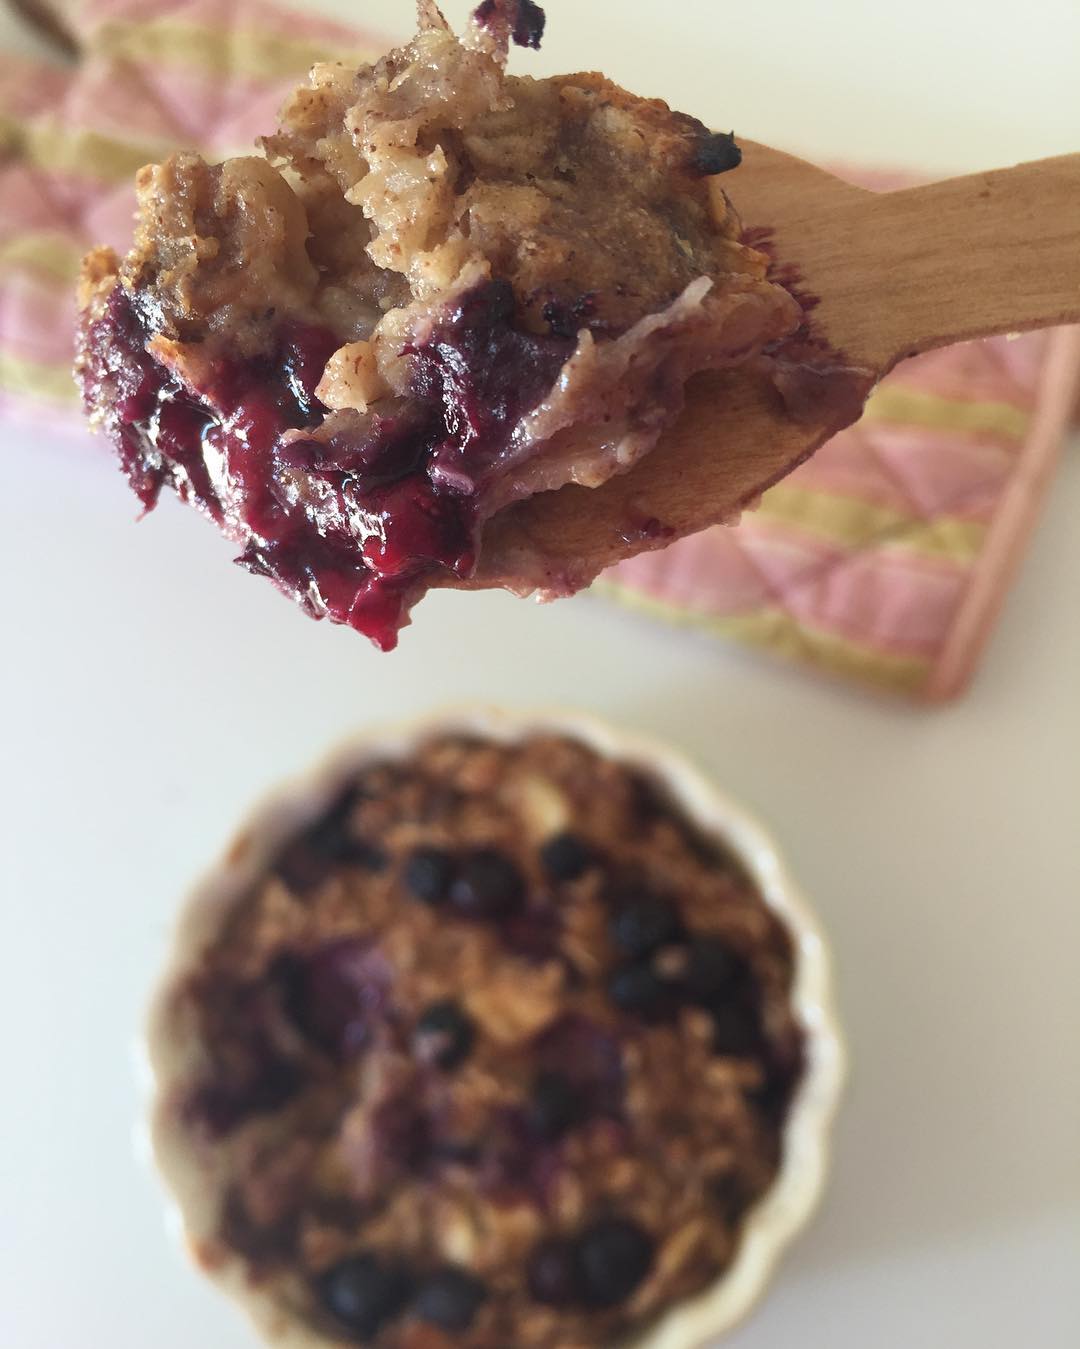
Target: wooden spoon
{"points": [[895, 273]]}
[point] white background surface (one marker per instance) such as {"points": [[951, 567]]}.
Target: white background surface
{"points": [[149, 692]]}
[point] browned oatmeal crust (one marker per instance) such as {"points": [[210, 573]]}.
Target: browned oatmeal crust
{"points": [[498, 1053]]}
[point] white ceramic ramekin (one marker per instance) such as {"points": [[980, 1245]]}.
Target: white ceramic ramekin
{"points": [[771, 1224]]}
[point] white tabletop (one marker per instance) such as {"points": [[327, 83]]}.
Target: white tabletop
{"points": [[149, 691]]}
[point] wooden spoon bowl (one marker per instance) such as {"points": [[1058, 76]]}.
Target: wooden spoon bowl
{"points": [[893, 274]]}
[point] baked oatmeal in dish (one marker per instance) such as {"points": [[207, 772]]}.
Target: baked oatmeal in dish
{"points": [[496, 1047], [440, 290]]}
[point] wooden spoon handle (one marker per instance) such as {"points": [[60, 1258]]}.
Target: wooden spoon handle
{"points": [[969, 257]]}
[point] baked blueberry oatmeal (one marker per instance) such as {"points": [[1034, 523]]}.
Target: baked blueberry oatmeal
{"points": [[497, 1049], [440, 290]]}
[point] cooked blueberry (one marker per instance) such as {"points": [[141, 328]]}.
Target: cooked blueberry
{"points": [[444, 1035], [555, 1106], [529, 26], [488, 885], [711, 970], [554, 1273], [735, 1029], [614, 1255], [565, 857], [716, 153], [449, 1298], [428, 873], [363, 1293], [266, 1085], [249, 1072], [590, 1055], [638, 989], [527, 17], [335, 993], [643, 923]]}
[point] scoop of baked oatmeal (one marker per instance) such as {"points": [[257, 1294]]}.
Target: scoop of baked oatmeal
{"points": [[440, 290], [497, 1049]]}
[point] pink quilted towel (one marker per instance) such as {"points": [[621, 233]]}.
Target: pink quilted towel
{"points": [[148, 77], [885, 558]]}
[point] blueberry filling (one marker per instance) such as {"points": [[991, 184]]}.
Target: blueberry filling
{"points": [[589, 1056], [352, 524], [483, 372], [335, 994]]}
